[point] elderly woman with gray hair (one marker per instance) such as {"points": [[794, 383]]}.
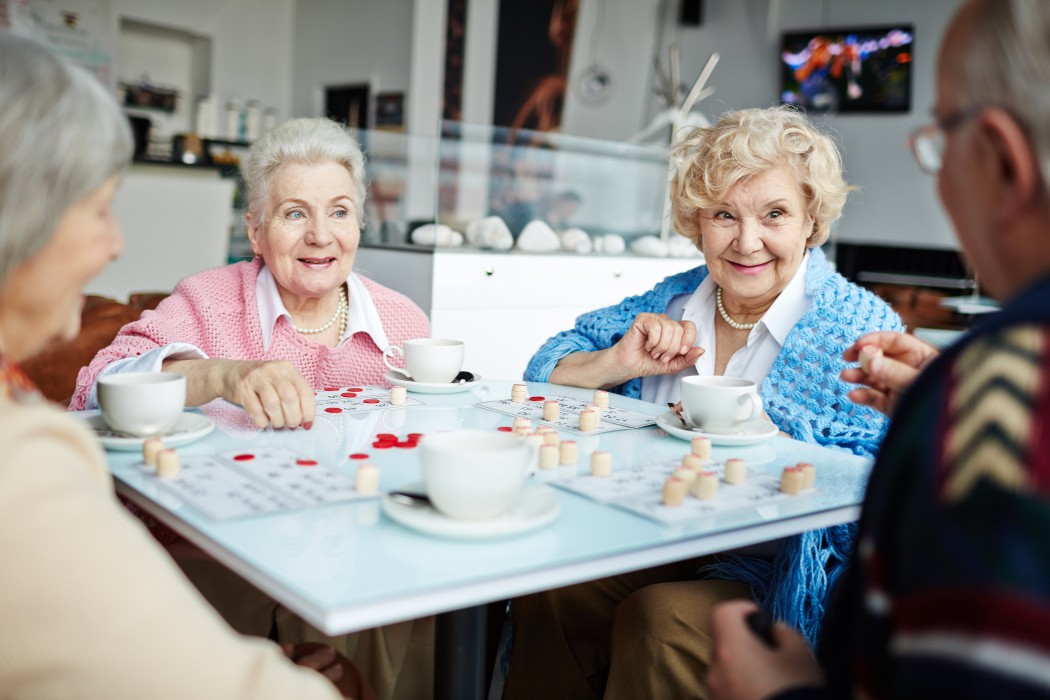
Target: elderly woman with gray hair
{"points": [[92, 607], [757, 193], [265, 334]]}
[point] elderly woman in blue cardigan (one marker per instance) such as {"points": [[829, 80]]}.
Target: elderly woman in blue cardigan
{"points": [[757, 192]]}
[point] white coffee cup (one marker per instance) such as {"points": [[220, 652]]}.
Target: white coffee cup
{"points": [[142, 403], [474, 474], [428, 360], [720, 404]]}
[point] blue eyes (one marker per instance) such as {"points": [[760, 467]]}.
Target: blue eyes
{"points": [[297, 215]]}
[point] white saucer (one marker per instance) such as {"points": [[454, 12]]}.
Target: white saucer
{"points": [[190, 428], [537, 506], [750, 433], [396, 377]]}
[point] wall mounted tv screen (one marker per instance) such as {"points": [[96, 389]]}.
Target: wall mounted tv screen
{"points": [[848, 70]]}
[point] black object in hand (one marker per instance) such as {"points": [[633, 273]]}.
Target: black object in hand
{"points": [[761, 624]]}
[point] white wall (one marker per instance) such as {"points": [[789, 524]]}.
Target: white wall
{"points": [[251, 42], [339, 43]]}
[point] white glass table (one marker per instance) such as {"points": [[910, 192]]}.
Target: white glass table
{"points": [[347, 567]]}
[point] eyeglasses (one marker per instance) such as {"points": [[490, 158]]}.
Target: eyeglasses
{"points": [[927, 142]]}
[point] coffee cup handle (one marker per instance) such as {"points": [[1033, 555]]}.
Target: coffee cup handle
{"points": [[755, 402], [395, 350]]}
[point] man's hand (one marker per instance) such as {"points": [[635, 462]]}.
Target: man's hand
{"points": [[889, 363]]}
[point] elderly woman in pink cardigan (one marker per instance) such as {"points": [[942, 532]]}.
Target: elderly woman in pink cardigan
{"points": [[264, 334]]}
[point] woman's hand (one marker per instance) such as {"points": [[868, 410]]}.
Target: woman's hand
{"points": [[332, 665], [653, 345], [890, 362], [743, 667], [271, 393]]}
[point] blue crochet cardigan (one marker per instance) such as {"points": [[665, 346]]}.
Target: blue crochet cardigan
{"points": [[802, 394]]}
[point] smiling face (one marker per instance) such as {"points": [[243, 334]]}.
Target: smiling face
{"points": [[308, 233], [755, 239], [42, 299]]}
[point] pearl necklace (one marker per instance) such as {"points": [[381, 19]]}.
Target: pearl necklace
{"points": [[725, 316], [340, 315]]}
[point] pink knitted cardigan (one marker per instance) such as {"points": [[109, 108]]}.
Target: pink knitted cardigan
{"points": [[216, 310]]}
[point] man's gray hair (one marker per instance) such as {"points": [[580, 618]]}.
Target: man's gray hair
{"points": [[1007, 63], [308, 141], [62, 136]]}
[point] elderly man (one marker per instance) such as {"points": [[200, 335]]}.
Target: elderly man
{"points": [[948, 594]]}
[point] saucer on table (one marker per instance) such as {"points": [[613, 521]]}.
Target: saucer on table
{"points": [[750, 433], [189, 428], [537, 506], [396, 377]]}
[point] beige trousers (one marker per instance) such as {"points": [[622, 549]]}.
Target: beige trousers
{"points": [[644, 634], [397, 659]]}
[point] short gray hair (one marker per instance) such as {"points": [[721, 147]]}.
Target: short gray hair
{"points": [[742, 144], [1007, 63], [62, 136], [308, 141]]}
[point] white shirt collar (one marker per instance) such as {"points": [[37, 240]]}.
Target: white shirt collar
{"points": [[362, 314]]}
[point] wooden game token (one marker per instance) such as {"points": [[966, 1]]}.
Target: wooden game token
{"points": [[601, 463], [519, 393], [691, 461], [701, 447], [167, 464], [791, 480], [588, 420], [550, 436], [398, 395], [150, 447], [675, 491], [568, 453], [522, 422], [688, 476], [551, 410], [367, 480], [867, 354], [809, 475], [601, 398], [706, 486], [736, 471], [549, 455]]}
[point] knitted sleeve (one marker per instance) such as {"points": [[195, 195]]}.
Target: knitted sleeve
{"points": [[202, 310], [601, 329], [803, 392]]}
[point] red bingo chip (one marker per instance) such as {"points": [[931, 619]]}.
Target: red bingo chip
{"points": [[355, 388], [243, 458], [306, 462], [382, 445], [414, 436], [359, 455], [348, 395], [371, 401], [331, 388], [536, 398], [333, 409], [505, 429]]}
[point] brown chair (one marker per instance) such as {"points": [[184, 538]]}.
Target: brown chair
{"points": [[55, 369]]}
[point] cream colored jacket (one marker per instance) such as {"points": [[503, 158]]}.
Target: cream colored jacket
{"points": [[90, 606]]}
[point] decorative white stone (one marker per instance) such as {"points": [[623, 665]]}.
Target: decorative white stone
{"points": [[612, 244], [576, 240], [682, 247], [650, 246], [538, 237], [437, 235], [489, 232]]}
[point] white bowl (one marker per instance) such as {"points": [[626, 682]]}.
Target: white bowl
{"points": [[474, 474], [142, 403]]}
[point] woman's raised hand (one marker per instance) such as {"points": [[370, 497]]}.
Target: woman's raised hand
{"points": [[657, 344], [272, 393]]}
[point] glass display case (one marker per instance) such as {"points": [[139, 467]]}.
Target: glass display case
{"points": [[586, 192]]}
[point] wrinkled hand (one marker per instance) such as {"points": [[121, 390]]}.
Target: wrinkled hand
{"points": [[890, 362], [744, 668], [272, 393], [332, 665], [655, 344]]}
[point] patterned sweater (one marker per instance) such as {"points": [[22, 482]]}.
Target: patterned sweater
{"points": [[216, 310], [949, 594], [803, 396]]}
